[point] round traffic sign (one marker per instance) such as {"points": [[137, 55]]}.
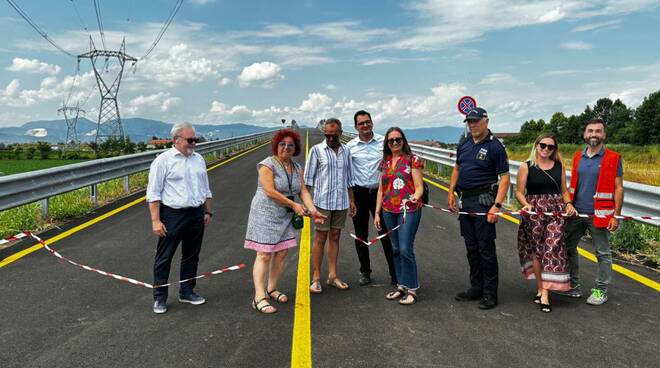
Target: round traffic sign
{"points": [[465, 104]]}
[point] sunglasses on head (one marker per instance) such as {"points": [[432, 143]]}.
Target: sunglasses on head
{"points": [[191, 140], [549, 147], [396, 140], [286, 145], [331, 136]]}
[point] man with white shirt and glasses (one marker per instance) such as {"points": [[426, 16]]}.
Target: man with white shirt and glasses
{"points": [[328, 171], [366, 155], [180, 205]]}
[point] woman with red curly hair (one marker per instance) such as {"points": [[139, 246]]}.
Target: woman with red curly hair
{"points": [[270, 231]]}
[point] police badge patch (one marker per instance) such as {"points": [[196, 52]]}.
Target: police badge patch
{"points": [[482, 154]]}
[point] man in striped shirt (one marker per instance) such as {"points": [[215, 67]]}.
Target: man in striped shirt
{"points": [[328, 172]]}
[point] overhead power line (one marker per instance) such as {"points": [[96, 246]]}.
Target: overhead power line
{"points": [[99, 20], [37, 28], [163, 29], [82, 22]]}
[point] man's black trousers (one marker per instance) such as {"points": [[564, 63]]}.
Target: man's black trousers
{"points": [[365, 201], [185, 226]]}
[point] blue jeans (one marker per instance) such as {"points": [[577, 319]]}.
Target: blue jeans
{"points": [[402, 246]]}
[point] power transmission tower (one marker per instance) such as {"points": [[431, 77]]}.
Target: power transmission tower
{"points": [[109, 122], [71, 114]]}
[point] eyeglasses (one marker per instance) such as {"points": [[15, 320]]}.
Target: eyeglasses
{"points": [[286, 145], [396, 140], [191, 140], [331, 136], [549, 147], [363, 123]]}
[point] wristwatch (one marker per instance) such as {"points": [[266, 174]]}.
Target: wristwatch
{"points": [[498, 205], [208, 213]]}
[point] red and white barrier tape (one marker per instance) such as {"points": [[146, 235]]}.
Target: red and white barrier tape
{"points": [[376, 239], [26, 234], [553, 214], [500, 213]]}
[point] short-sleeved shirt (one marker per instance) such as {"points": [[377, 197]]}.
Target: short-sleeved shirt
{"points": [[366, 158], [398, 184], [177, 180], [588, 171], [480, 164], [330, 175]]}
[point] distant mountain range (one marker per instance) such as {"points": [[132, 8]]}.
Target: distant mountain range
{"points": [[141, 130], [138, 129]]}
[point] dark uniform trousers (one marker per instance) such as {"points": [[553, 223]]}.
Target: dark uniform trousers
{"points": [[185, 226], [479, 237], [365, 201]]}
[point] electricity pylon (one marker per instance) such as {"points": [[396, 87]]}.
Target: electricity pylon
{"points": [[71, 114], [109, 122]]}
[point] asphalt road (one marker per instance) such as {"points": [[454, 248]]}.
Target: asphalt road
{"points": [[56, 315]]}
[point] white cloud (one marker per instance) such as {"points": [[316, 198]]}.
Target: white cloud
{"points": [[378, 61], [330, 87], [276, 30], [201, 2], [496, 78], [444, 23], [346, 32], [161, 101], [265, 72], [315, 102], [224, 81], [181, 64], [12, 87], [33, 66], [598, 25], [576, 45]]}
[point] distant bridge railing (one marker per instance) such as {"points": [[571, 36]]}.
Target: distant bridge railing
{"points": [[40, 185], [639, 199]]}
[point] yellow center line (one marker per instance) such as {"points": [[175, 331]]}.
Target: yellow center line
{"points": [[16, 256], [301, 347], [583, 252]]}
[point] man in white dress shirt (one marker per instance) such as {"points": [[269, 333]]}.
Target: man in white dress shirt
{"points": [[366, 157], [180, 204]]}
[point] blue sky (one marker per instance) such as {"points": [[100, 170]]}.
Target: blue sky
{"points": [[407, 62]]}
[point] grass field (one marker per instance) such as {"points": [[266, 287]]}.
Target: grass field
{"points": [[8, 167], [641, 164]]}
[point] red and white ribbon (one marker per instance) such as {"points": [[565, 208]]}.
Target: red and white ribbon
{"points": [[129, 280], [376, 239], [553, 214]]}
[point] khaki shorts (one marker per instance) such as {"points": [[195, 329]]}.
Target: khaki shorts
{"points": [[335, 220]]}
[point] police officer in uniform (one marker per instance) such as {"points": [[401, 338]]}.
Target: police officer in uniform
{"points": [[481, 163]]}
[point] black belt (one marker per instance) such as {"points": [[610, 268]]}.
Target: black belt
{"points": [[366, 188], [476, 192]]}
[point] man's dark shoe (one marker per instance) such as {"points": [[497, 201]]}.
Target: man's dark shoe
{"points": [[488, 302], [365, 279], [159, 306], [192, 298], [467, 296]]}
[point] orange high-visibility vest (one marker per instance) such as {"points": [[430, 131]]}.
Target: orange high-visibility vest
{"points": [[604, 197]]}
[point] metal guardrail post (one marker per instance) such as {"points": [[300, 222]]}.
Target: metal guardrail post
{"points": [[127, 186], [93, 194], [44, 207]]}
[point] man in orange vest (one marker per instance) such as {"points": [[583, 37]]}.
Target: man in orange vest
{"points": [[596, 189]]}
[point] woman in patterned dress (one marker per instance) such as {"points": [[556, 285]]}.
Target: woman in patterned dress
{"points": [[269, 231], [542, 188], [399, 194]]}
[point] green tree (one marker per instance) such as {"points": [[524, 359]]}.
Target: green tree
{"points": [[44, 150], [30, 152], [18, 151], [647, 120], [619, 124], [141, 146]]}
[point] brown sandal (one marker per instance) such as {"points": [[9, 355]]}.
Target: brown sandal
{"points": [[315, 287], [337, 283], [261, 304], [396, 294], [279, 297], [406, 301]]}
